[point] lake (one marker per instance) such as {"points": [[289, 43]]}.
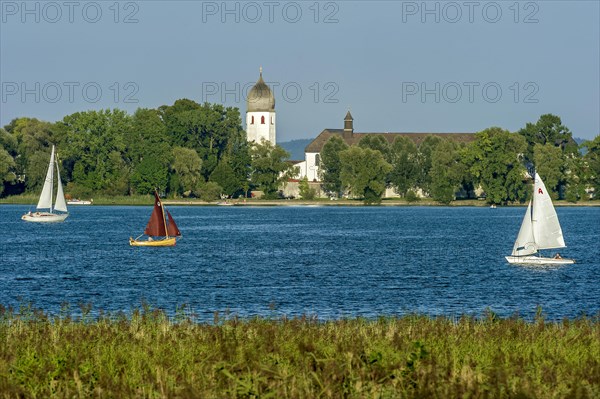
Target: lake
{"points": [[329, 262]]}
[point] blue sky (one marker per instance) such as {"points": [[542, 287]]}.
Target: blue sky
{"points": [[399, 66]]}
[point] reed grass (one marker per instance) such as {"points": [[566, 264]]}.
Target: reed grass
{"points": [[149, 355]]}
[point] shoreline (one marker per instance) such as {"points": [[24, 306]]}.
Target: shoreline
{"points": [[147, 201]]}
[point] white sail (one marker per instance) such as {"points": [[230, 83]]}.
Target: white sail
{"points": [[45, 201], [546, 228], [525, 243], [60, 204]]}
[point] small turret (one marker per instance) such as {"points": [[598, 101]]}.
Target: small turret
{"points": [[348, 125]]}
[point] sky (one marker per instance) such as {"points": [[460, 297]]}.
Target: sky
{"points": [[398, 66]]}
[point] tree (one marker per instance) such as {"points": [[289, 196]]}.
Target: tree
{"points": [[550, 164], [331, 165], [378, 143], [306, 192], [363, 172], [9, 143], [548, 130], [93, 146], [23, 139], [7, 167], [447, 172], [37, 167], [234, 167], [206, 128], [592, 160], [424, 162], [149, 174], [576, 177], [148, 152], [186, 165], [208, 191], [269, 169], [225, 176], [147, 137], [494, 160], [404, 160]]}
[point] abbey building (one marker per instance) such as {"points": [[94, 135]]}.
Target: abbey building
{"points": [[310, 167], [261, 125]]}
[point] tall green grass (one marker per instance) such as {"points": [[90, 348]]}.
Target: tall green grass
{"points": [[149, 355]]}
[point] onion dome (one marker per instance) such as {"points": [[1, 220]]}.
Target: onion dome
{"points": [[260, 98]]}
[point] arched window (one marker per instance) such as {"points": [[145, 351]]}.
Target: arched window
{"points": [[272, 121], [252, 120], [318, 160], [262, 120]]}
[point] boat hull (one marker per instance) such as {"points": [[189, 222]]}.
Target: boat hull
{"points": [[44, 217], [167, 242], [538, 260]]}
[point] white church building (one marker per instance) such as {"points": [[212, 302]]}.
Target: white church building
{"points": [[261, 125]]}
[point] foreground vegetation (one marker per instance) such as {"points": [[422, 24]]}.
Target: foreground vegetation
{"points": [[149, 355]]}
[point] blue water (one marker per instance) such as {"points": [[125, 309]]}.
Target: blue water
{"points": [[329, 262]]}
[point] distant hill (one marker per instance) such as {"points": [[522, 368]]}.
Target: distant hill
{"points": [[296, 148]]}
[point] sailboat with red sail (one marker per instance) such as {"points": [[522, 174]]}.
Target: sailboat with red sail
{"points": [[161, 228]]}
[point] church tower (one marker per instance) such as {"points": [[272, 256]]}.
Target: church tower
{"points": [[260, 113]]}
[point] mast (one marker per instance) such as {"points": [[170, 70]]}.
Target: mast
{"points": [[162, 209], [51, 168]]}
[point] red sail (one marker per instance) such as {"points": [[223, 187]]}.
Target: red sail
{"points": [[156, 224], [172, 227]]}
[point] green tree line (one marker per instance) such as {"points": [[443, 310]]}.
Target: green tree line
{"points": [[184, 149], [191, 149], [496, 162]]}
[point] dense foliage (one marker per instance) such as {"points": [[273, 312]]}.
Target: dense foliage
{"points": [[189, 149], [493, 166], [184, 149], [269, 168], [147, 354]]}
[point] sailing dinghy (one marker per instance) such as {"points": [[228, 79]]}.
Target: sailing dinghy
{"points": [[45, 201], [540, 229], [160, 226]]}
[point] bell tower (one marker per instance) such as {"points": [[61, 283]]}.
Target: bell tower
{"points": [[260, 113]]}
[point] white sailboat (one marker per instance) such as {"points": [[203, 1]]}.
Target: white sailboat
{"points": [[45, 201], [540, 229]]}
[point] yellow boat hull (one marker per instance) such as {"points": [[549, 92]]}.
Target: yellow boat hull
{"points": [[167, 242]]}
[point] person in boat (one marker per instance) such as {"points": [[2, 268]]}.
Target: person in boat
{"points": [[557, 256]]}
